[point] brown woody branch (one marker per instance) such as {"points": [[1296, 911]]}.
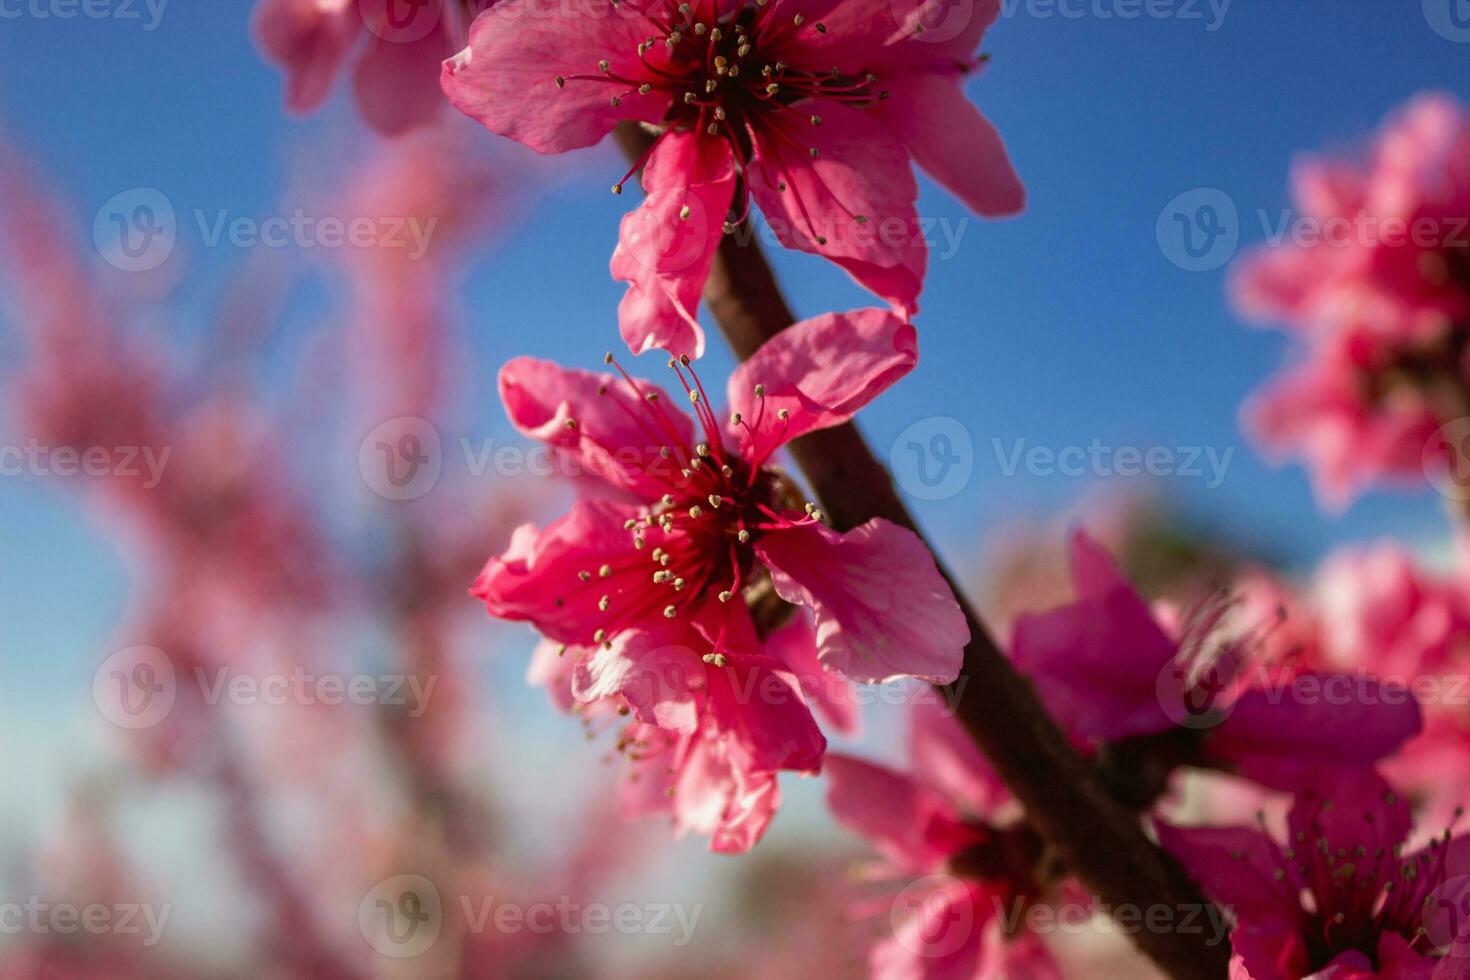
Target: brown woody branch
{"points": [[1066, 800]]}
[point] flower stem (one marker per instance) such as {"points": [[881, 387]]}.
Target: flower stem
{"points": [[1065, 799]]}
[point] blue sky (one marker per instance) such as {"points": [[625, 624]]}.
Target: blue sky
{"points": [[1064, 326]]}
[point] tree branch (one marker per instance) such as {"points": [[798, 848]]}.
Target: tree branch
{"points": [[1100, 839]]}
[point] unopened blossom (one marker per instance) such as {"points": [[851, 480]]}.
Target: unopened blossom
{"points": [[811, 109], [1109, 668], [964, 873], [395, 47], [1342, 895], [665, 573]]}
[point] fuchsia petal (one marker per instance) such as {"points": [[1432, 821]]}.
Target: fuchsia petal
{"points": [[822, 371], [506, 78], [852, 202], [1360, 810], [531, 582], [1097, 661], [953, 142], [666, 245], [882, 36], [1236, 866], [397, 82], [615, 435], [946, 757], [942, 937], [897, 814], [795, 646], [551, 667], [881, 607], [758, 707], [658, 677], [1276, 735], [309, 39]]}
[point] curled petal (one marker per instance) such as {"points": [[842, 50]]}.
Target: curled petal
{"points": [[882, 609], [821, 372]]}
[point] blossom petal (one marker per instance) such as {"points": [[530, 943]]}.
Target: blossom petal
{"points": [[1236, 866], [844, 190], [658, 676], [666, 245], [536, 580], [507, 77], [757, 706], [941, 939], [551, 667], [821, 371], [309, 39], [397, 82], [1275, 735], [881, 607], [1097, 661], [896, 813], [598, 425], [946, 757], [953, 142], [795, 646]]}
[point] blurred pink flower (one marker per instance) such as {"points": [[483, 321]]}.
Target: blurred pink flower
{"points": [[1340, 897], [814, 108], [1417, 176], [1109, 671], [398, 45], [646, 578], [934, 825], [1382, 299]]}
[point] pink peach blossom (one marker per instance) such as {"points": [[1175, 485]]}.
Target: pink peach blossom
{"points": [[1109, 670], [653, 578], [1339, 897], [812, 108]]}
